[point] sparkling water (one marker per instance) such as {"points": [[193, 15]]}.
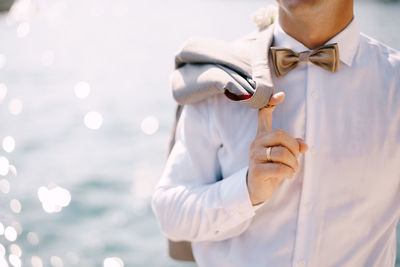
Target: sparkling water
{"points": [[85, 115]]}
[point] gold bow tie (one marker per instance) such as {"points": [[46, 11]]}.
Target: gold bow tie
{"points": [[284, 60]]}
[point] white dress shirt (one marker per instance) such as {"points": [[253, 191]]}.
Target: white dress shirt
{"points": [[342, 206]]}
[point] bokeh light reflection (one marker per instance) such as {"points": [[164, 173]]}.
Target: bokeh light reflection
{"points": [[15, 250], [15, 206], [4, 166], [32, 238], [36, 261], [2, 250], [53, 198], [113, 262], [3, 262], [14, 260], [15, 106], [82, 89], [4, 186], [10, 234], [93, 120], [8, 144], [22, 10], [23, 29], [56, 261], [150, 125]]}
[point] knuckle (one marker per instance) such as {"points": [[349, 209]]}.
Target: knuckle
{"points": [[278, 169], [288, 172], [276, 134], [281, 152], [282, 168], [280, 132]]}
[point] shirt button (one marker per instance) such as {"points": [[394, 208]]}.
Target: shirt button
{"points": [[313, 151], [314, 95], [216, 232], [301, 264], [308, 207]]}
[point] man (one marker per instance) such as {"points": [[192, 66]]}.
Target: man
{"points": [[239, 185]]}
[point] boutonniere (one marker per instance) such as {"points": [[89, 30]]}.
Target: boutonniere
{"points": [[265, 16]]}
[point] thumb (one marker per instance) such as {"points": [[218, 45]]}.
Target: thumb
{"points": [[265, 114], [303, 147]]}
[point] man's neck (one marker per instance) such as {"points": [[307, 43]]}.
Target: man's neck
{"points": [[314, 27]]}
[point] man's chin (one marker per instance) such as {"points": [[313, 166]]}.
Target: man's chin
{"points": [[300, 6]]}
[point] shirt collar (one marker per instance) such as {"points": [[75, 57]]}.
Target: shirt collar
{"points": [[347, 40]]}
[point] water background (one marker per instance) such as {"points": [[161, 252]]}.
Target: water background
{"points": [[124, 50]]}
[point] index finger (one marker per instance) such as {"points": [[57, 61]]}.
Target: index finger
{"points": [[265, 114]]}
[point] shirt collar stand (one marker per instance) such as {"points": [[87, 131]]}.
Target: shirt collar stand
{"points": [[347, 40]]}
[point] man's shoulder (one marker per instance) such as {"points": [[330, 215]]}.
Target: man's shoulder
{"points": [[383, 53], [249, 37]]}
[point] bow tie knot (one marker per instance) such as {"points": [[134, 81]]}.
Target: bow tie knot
{"points": [[303, 56], [285, 60]]}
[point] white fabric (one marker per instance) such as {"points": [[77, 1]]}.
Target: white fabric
{"points": [[340, 209]]}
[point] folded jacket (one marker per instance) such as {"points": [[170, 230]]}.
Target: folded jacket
{"points": [[240, 69]]}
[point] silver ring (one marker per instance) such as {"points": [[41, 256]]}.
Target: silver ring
{"points": [[269, 150]]}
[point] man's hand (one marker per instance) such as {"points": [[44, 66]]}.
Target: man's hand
{"points": [[264, 176]]}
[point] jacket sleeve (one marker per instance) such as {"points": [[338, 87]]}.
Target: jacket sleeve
{"points": [[190, 202]]}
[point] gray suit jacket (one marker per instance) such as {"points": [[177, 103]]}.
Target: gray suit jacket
{"points": [[239, 69], [205, 67]]}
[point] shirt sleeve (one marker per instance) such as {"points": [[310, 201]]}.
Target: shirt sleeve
{"points": [[190, 202]]}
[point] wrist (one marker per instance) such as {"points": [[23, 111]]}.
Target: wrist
{"points": [[254, 201]]}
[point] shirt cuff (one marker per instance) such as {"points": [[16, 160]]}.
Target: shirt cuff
{"points": [[235, 197]]}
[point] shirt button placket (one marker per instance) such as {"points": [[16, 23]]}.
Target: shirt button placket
{"points": [[305, 226]]}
